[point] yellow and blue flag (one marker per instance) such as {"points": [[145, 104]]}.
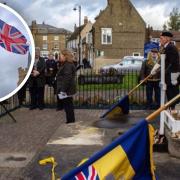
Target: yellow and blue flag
{"points": [[128, 157], [119, 108]]}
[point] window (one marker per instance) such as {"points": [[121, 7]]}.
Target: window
{"points": [[44, 38], [56, 38], [89, 38], [45, 46], [44, 53], [156, 40], [136, 53], [100, 53], [106, 35]]}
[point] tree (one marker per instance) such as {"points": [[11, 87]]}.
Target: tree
{"points": [[174, 20]]}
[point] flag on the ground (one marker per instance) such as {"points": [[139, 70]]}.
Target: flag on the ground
{"points": [[128, 157], [120, 107], [12, 39]]}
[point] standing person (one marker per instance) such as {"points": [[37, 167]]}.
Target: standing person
{"points": [[37, 82], [172, 65], [152, 84], [66, 85], [51, 70]]}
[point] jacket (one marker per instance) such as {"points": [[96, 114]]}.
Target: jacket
{"points": [[39, 80], [66, 78], [146, 70], [172, 63]]}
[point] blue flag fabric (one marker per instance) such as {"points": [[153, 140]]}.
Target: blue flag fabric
{"points": [[120, 107], [12, 39], [128, 157], [148, 46]]}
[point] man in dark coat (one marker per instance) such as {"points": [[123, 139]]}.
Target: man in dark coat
{"points": [[51, 70], [172, 65], [37, 82]]}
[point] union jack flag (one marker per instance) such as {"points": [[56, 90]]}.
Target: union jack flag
{"points": [[87, 174], [12, 39]]}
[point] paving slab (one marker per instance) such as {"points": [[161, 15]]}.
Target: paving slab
{"points": [[39, 134]]}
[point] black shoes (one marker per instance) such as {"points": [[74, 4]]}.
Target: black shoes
{"points": [[68, 122], [41, 108], [32, 107]]}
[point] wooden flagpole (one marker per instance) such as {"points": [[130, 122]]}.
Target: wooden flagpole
{"points": [[139, 84], [158, 111]]}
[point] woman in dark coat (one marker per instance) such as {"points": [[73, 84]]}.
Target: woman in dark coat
{"points": [[152, 84], [66, 84]]}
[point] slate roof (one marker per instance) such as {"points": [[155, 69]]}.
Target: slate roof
{"points": [[75, 34], [48, 29]]}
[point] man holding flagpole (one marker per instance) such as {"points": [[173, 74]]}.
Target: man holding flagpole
{"points": [[172, 66]]}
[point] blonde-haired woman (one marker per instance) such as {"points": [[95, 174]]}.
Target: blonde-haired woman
{"points": [[66, 85], [152, 84]]}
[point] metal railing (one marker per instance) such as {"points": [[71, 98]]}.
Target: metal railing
{"points": [[100, 90]]}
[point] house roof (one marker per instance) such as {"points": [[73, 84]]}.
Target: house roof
{"points": [[156, 34], [75, 34], [48, 29], [130, 3]]}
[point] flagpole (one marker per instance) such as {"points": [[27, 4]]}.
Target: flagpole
{"points": [[158, 111], [139, 84], [163, 93]]}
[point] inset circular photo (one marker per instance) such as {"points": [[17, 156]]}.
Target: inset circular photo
{"points": [[17, 52]]}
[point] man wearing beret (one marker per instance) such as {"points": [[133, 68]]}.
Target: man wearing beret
{"points": [[172, 65]]}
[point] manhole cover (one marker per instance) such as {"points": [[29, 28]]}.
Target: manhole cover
{"points": [[12, 158]]}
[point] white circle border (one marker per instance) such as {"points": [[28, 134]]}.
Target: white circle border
{"points": [[32, 55]]}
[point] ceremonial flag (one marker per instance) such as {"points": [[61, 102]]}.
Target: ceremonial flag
{"points": [[12, 39], [120, 107], [128, 157]]}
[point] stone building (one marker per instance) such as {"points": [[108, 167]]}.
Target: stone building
{"points": [[86, 40], [22, 72], [49, 38], [119, 30]]}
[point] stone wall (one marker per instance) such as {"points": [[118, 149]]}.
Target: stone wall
{"points": [[128, 29]]}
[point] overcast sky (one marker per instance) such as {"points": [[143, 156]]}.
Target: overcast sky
{"points": [[59, 12], [10, 62]]}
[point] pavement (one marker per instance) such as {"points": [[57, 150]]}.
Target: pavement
{"points": [[40, 134]]}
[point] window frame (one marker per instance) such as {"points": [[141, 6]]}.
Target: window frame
{"points": [[106, 35], [43, 46], [56, 38], [45, 37]]}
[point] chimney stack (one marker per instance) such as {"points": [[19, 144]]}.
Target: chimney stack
{"points": [[85, 19]]}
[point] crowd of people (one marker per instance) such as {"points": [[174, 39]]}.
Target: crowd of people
{"points": [[59, 73], [172, 71]]}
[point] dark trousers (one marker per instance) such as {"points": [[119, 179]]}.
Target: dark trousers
{"points": [[171, 92], [153, 86], [37, 96], [22, 94], [68, 106]]}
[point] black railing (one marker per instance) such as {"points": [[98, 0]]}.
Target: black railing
{"points": [[100, 90]]}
